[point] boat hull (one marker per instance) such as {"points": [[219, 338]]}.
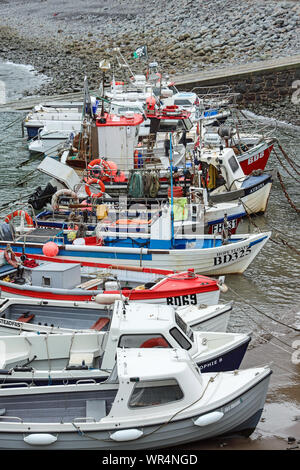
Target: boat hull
{"points": [[229, 360], [254, 194], [241, 416], [18, 292], [255, 159], [232, 258]]}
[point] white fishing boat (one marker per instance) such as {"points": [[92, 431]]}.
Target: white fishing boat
{"points": [[50, 316], [53, 135], [159, 248], [140, 406], [42, 115], [61, 356], [228, 182]]}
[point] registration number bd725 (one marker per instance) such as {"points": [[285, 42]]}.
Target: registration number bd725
{"points": [[231, 255]]}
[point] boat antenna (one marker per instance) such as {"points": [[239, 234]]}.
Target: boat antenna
{"points": [[104, 66], [172, 199], [122, 62]]}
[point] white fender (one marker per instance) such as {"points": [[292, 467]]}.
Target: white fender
{"points": [[223, 288], [40, 439], [209, 418], [126, 435], [107, 299]]}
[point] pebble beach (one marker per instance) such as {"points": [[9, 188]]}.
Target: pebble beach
{"points": [[66, 39]]}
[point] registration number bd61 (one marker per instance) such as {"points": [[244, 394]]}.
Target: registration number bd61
{"points": [[231, 255]]}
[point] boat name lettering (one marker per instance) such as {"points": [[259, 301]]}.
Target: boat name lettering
{"points": [[256, 157], [231, 406], [256, 188], [182, 300], [5, 321], [210, 364], [219, 227], [231, 255]]}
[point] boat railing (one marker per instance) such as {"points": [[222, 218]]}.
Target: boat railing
{"points": [[248, 124], [14, 384], [59, 239], [12, 418], [84, 419], [86, 381], [212, 96]]}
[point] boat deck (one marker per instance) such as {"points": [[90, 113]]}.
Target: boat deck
{"points": [[59, 407], [40, 235]]}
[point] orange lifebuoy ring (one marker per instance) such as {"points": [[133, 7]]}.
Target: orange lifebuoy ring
{"points": [[10, 257], [155, 343], [94, 181], [19, 213], [109, 168]]}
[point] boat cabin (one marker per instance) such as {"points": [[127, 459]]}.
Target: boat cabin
{"points": [[144, 385], [225, 168], [118, 137], [143, 325]]}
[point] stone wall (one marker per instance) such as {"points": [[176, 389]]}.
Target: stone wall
{"points": [[256, 87]]}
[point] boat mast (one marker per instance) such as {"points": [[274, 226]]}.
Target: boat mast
{"points": [[172, 199]]}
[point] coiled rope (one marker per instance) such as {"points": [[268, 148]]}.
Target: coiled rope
{"points": [[135, 185]]}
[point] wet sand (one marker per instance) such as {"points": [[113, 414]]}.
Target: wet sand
{"points": [[280, 419]]}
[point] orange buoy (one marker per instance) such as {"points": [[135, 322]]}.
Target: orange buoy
{"points": [[94, 181]]}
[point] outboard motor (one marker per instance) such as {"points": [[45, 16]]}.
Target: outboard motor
{"points": [[226, 133], [7, 232], [42, 196]]}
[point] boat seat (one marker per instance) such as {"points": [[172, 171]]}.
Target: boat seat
{"points": [[26, 317], [89, 284], [9, 358], [78, 358], [100, 323], [96, 409]]}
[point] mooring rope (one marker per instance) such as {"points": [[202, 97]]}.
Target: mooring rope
{"points": [[265, 314], [284, 167], [284, 242], [286, 193], [287, 158]]}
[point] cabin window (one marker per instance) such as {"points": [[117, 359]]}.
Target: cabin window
{"points": [[184, 327], [153, 393], [182, 103], [46, 281], [180, 338], [143, 341], [233, 163]]}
